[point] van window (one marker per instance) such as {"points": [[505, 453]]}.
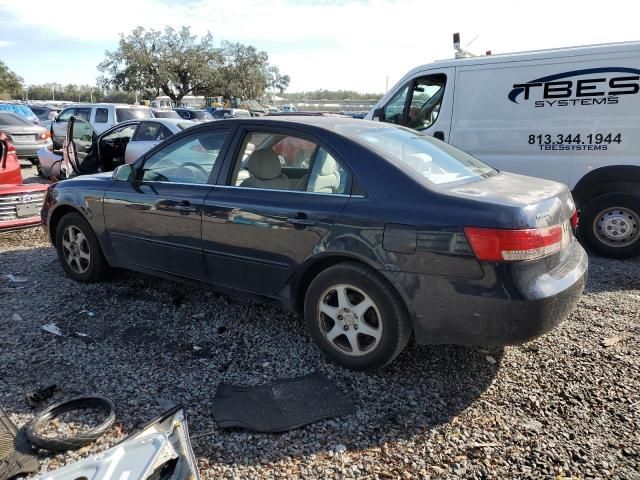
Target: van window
{"points": [[102, 115], [132, 113], [83, 113], [417, 104]]}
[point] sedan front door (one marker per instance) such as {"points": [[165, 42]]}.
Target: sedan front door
{"points": [[154, 221]]}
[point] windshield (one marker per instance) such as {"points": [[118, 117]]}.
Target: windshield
{"points": [[123, 114], [421, 154], [201, 115], [7, 118], [166, 114]]}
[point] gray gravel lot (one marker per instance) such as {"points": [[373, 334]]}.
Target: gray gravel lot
{"points": [[564, 406]]}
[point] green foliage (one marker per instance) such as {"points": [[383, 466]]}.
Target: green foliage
{"points": [[177, 63], [10, 82], [332, 95], [78, 93]]}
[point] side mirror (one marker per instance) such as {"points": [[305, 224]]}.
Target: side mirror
{"points": [[378, 114], [122, 173]]}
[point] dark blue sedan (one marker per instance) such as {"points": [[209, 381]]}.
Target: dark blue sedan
{"points": [[372, 232]]}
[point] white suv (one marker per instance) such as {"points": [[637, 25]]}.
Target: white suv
{"points": [[101, 116]]}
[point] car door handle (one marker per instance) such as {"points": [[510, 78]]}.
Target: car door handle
{"points": [[185, 206], [301, 220]]}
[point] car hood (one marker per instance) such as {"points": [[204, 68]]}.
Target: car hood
{"points": [[94, 181]]}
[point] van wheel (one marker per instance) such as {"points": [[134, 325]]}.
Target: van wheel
{"points": [[610, 225], [355, 317], [78, 249]]}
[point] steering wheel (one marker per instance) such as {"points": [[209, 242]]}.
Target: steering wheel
{"points": [[192, 164]]}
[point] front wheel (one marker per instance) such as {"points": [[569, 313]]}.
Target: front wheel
{"points": [[355, 317], [78, 249], [610, 225]]}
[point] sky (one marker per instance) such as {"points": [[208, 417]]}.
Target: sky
{"points": [[361, 45]]}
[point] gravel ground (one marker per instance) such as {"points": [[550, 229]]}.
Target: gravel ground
{"points": [[564, 406]]}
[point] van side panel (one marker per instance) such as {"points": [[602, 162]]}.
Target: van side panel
{"points": [[556, 118]]}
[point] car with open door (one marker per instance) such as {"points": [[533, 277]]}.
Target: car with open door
{"points": [[381, 234], [85, 152]]}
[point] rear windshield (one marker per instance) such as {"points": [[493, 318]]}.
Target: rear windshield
{"points": [[201, 115], [124, 114], [420, 154], [166, 114], [7, 118], [21, 110]]}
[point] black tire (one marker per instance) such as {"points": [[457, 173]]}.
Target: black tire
{"points": [[394, 323], [86, 271], [596, 210]]}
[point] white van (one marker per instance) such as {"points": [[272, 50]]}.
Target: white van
{"points": [[570, 114], [101, 116]]}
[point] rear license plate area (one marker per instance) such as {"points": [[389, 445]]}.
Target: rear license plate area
{"points": [[22, 138]]}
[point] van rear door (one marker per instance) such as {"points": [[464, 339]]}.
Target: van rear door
{"points": [[424, 102]]}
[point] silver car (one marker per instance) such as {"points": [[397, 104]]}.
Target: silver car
{"points": [[89, 152], [24, 135]]}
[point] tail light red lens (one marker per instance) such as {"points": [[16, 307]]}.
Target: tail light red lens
{"points": [[497, 245], [44, 136], [574, 219]]}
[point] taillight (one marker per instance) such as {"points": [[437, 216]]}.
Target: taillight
{"points": [[574, 219], [496, 245], [44, 135]]}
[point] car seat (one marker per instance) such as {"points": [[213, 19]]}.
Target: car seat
{"points": [[265, 171], [325, 176]]}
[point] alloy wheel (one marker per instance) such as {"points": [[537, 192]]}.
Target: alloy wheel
{"points": [[350, 320], [75, 248]]}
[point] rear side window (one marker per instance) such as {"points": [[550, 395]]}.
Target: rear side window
{"points": [[151, 132], [83, 113], [124, 114], [102, 115], [202, 115]]}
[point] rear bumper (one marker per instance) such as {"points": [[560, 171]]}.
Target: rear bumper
{"points": [[30, 150], [12, 225], [492, 311]]}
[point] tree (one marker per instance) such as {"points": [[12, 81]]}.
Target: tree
{"points": [[10, 82], [277, 81], [150, 61]]}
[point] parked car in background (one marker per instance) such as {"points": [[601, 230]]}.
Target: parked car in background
{"points": [[45, 112], [385, 233], [85, 151], [19, 204], [20, 109], [569, 114], [101, 116], [26, 137], [231, 113], [164, 113], [289, 108], [193, 114]]}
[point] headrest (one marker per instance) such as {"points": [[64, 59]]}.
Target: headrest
{"points": [[264, 164], [329, 166]]}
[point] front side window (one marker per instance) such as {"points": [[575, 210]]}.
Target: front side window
{"points": [[276, 161], [188, 160], [122, 132], [66, 114], [83, 113], [417, 104], [420, 154], [102, 115]]}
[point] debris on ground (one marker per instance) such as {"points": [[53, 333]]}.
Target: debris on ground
{"points": [[52, 328], [36, 397]]}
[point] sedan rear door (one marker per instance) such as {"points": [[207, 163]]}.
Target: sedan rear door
{"points": [[265, 217]]}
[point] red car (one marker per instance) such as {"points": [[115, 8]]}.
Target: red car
{"points": [[19, 204]]}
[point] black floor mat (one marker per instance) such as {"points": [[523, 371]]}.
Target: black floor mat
{"points": [[281, 405], [15, 455]]}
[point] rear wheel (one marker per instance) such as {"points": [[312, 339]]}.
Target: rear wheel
{"points": [[355, 317], [610, 225], [78, 249]]}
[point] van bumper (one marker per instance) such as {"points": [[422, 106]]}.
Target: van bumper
{"points": [[495, 310]]}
